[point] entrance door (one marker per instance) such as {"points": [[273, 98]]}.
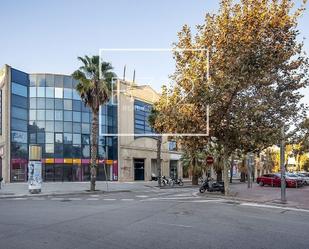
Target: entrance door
{"points": [[173, 169], [139, 169]]}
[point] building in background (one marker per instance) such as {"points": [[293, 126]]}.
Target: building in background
{"points": [[45, 109]]}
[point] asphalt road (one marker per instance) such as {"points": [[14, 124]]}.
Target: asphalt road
{"points": [[174, 218]]}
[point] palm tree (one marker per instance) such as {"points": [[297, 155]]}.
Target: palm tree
{"points": [[94, 87]]}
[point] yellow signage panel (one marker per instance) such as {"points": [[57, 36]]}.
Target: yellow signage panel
{"points": [[77, 161], [49, 160], [109, 161], [68, 160]]}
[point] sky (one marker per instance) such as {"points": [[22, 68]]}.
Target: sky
{"points": [[47, 36]]}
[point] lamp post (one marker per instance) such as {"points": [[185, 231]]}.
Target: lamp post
{"points": [[282, 166]]}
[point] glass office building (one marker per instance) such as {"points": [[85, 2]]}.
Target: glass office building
{"points": [[47, 110]]}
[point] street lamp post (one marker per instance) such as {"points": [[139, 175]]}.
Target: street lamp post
{"points": [[282, 166]]}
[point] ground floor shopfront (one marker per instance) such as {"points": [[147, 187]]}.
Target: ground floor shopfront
{"points": [[69, 172]]}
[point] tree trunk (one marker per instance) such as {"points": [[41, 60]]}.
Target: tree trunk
{"points": [[159, 143], [194, 174], [231, 169], [226, 175], [94, 149], [248, 170], [219, 175]]}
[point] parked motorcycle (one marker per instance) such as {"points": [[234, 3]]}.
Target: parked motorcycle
{"points": [[167, 181], [212, 186], [178, 181]]}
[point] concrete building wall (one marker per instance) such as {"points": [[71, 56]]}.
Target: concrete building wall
{"points": [[5, 79], [130, 147]]}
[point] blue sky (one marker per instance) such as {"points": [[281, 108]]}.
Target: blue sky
{"points": [[47, 36]]}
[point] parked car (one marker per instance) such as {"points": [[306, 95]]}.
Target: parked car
{"points": [[299, 182], [274, 180], [304, 177]]}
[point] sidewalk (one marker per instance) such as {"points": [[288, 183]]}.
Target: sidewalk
{"points": [[10, 190], [296, 197]]}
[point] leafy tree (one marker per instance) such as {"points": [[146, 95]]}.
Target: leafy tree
{"points": [[94, 92], [257, 67]]}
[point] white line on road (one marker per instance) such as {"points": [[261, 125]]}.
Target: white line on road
{"points": [[19, 198], [274, 207], [57, 199], [175, 225], [109, 199], [127, 199], [142, 196], [92, 199]]}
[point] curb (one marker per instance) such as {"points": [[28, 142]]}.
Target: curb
{"points": [[86, 192]]}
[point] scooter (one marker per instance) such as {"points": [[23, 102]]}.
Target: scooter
{"points": [[178, 181], [212, 186]]}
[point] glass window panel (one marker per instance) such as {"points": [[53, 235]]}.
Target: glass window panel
{"points": [[101, 152], [67, 150], [58, 81], [19, 137], [67, 138], [76, 151], [50, 92], [58, 150], [67, 81], [41, 137], [77, 127], [40, 80], [32, 103], [49, 148], [85, 117], [40, 114], [49, 126], [85, 151], [85, 139], [58, 115], [19, 101], [76, 105], [67, 104], [18, 124], [76, 116], [32, 80], [67, 115], [67, 127], [19, 89], [76, 139], [85, 128], [59, 104], [49, 115], [101, 141], [50, 104], [58, 126], [41, 103], [49, 138], [19, 113], [19, 150], [40, 125], [76, 95], [50, 80], [32, 91], [58, 93], [67, 93], [58, 138], [32, 114], [74, 83], [32, 138], [85, 108], [41, 92]]}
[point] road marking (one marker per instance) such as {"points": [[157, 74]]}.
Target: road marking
{"points": [[57, 199], [92, 199], [94, 196], [127, 199], [142, 196], [204, 201], [248, 204], [20, 198], [109, 199], [174, 225]]}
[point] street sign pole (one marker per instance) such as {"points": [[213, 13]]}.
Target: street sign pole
{"points": [[282, 166]]}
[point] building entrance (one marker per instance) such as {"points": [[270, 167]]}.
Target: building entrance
{"points": [[139, 169]]}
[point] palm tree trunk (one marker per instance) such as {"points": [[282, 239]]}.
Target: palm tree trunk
{"points": [[94, 149], [159, 142]]}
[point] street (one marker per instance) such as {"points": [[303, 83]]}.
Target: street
{"points": [[154, 218]]}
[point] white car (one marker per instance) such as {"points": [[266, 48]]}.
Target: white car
{"points": [[304, 177]]}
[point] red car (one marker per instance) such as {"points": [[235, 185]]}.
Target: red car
{"points": [[274, 180]]}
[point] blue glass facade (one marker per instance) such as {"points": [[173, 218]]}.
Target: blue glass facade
{"points": [[47, 110], [141, 114]]}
